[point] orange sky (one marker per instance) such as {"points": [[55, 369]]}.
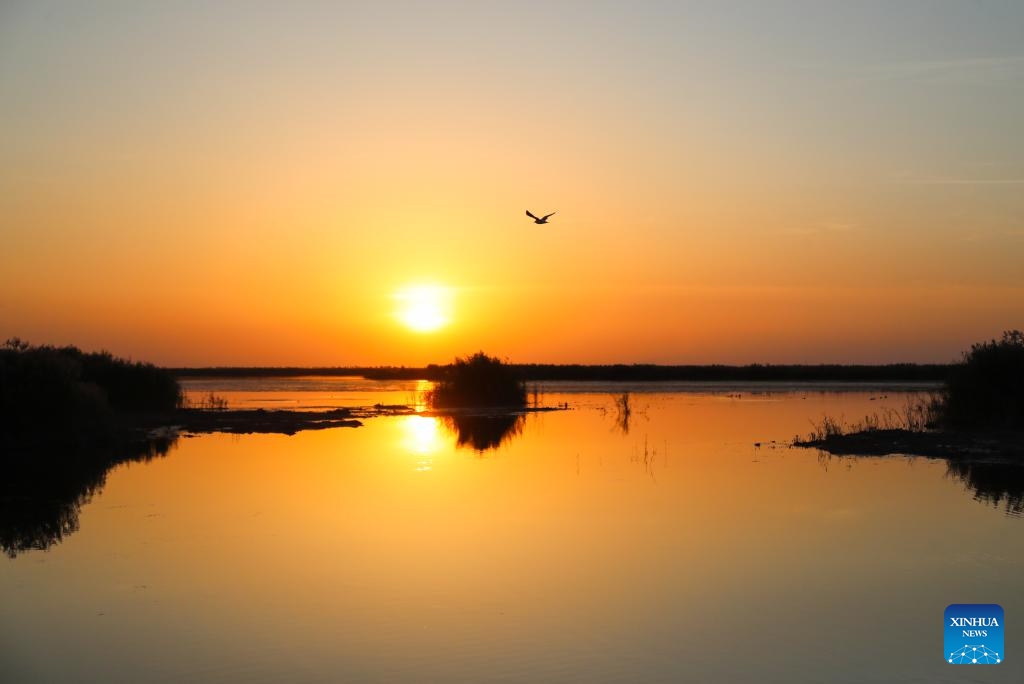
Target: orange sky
{"points": [[805, 183]]}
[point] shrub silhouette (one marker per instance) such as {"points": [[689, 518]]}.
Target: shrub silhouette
{"points": [[478, 380], [67, 396], [987, 389]]}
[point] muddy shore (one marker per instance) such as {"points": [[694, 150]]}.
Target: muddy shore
{"points": [[288, 422], [1003, 446]]}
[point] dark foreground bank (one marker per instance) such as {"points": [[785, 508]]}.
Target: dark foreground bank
{"points": [[1004, 445], [978, 413]]}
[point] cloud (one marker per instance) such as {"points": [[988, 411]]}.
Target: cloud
{"points": [[961, 70], [992, 235], [823, 228], [997, 174], [963, 181]]}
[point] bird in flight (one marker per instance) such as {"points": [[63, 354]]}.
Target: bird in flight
{"points": [[542, 219]]}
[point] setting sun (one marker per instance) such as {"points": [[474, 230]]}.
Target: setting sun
{"points": [[424, 308]]}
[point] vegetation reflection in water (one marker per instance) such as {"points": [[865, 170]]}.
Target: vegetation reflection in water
{"points": [[425, 435], [390, 552], [999, 484], [40, 504], [483, 432], [40, 507]]}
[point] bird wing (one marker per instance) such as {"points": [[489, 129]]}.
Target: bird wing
{"points": [[551, 214], [531, 215]]}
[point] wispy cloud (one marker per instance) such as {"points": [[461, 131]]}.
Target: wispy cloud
{"points": [[964, 173], [823, 228], [1000, 236], [963, 181], [961, 70]]}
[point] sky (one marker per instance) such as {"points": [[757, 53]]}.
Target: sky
{"points": [[345, 183]]}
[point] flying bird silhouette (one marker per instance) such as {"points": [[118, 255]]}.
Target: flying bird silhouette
{"points": [[542, 219]]}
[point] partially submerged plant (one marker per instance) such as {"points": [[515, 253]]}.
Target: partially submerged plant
{"points": [[208, 402], [478, 380]]}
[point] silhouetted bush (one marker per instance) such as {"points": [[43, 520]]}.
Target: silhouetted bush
{"points": [[66, 396], [478, 380], [987, 390], [129, 385]]}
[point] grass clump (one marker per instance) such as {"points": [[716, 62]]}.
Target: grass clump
{"points": [[207, 402], [478, 380], [623, 411], [919, 413], [828, 426]]}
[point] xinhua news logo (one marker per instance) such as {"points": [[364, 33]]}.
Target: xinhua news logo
{"points": [[974, 634]]}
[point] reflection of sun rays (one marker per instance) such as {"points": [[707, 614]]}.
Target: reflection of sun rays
{"points": [[420, 395], [421, 438]]}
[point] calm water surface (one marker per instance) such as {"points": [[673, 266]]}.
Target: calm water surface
{"points": [[577, 549]]}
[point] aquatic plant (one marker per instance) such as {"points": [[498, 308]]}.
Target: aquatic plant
{"points": [[623, 412], [477, 380], [918, 413], [207, 402], [828, 426]]}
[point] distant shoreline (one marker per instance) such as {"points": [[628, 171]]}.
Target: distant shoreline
{"points": [[900, 372]]}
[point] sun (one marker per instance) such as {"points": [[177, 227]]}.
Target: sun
{"points": [[424, 308]]}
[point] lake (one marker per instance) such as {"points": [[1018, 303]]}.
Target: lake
{"points": [[684, 542]]}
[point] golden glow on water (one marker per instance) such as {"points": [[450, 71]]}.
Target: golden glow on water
{"points": [[422, 438], [575, 551], [420, 394], [424, 308]]}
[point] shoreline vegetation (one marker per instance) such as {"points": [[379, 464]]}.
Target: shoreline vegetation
{"points": [[61, 397], [60, 404], [977, 415]]}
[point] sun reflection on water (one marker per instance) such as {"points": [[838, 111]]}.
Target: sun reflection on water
{"points": [[422, 438], [420, 394]]}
